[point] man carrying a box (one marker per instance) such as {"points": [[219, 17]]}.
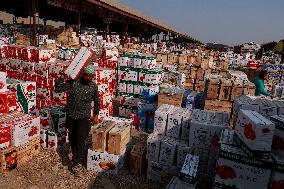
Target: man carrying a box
{"points": [[78, 110]]}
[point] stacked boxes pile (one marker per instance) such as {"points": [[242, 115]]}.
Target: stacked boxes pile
{"points": [[110, 141]]}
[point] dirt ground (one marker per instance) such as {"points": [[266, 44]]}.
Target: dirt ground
{"points": [[49, 171]]}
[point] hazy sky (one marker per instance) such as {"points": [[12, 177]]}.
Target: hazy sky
{"points": [[221, 21]]}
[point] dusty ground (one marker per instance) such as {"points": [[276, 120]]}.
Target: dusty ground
{"points": [[50, 170], [46, 171]]}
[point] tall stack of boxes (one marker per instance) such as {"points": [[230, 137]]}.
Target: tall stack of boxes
{"points": [[245, 156], [167, 146], [20, 133], [136, 74], [204, 134]]}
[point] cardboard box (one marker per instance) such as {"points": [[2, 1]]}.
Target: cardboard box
{"points": [[24, 131], [100, 135], [81, 60], [175, 122], [8, 102], [254, 133], [52, 140], [182, 150], [188, 172], [5, 137], [161, 118], [103, 162], [154, 171], [185, 126], [26, 94], [277, 176], [153, 147], [236, 169], [278, 138], [168, 151], [3, 82]]}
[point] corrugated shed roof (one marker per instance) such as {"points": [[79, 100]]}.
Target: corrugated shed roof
{"points": [[118, 5]]}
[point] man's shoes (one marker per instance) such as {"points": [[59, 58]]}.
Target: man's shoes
{"points": [[77, 170]]}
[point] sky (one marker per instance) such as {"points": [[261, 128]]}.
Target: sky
{"points": [[229, 22]]}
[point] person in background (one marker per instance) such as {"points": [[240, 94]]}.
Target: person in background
{"points": [[78, 113], [259, 83]]}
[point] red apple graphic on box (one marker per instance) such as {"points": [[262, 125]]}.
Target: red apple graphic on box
{"points": [[277, 184], [51, 143], [225, 172], [277, 143], [44, 122], [2, 85], [249, 131]]}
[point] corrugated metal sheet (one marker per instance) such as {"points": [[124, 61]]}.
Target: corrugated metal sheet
{"points": [[118, 5]]}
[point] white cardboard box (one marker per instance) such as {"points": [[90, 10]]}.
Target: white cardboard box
{"points": [[235, 168], [104, 162], [254, 132]]}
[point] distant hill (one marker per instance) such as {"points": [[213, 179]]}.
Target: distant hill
{"points": [[217, 47], [268, 46]]}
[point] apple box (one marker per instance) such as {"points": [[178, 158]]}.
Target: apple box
{"points": [[5, 137], [182, 150], [3, 82], [237, 170], [153, 147], [168, 151], [174, 122], [277, 177], [81, 60], [24, 130], [188, 172], [254, 133], [161, 118], [278, 138], [104, 162]]}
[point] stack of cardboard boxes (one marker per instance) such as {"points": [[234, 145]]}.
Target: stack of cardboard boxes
{"points": [[245, 156]]}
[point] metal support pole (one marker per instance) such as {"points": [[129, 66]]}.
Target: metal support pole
{"points": [[79, 17]]}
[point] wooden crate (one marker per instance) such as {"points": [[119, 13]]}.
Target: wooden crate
{"points": [[225, 89], [100, 135], [193, 72], [13, 157], [138, 162], [182, 59], [249, 89], [205, 63], [199, 86], [198, 61], [119, 137], [189, 84], [200, 74], [212, 92], [191, 59], [172, 58], [171, 99], [216, 105], [237, 90]]}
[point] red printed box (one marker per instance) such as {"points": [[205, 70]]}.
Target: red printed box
{"points": [[8, 102], [5, 137]]}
